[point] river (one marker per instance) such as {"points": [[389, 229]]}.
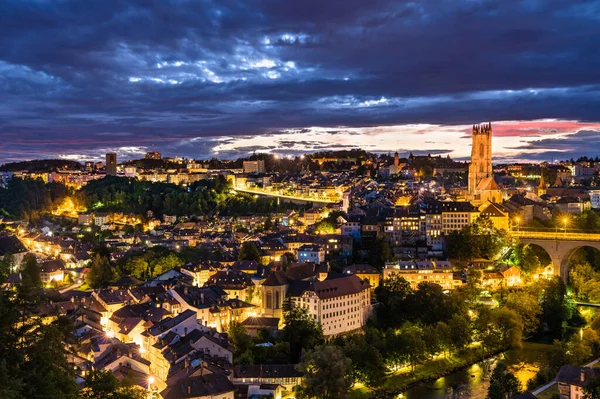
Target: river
{"points": [[474, 380]]}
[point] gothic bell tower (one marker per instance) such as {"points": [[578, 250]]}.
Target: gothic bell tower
{"points": [[481, 156]]}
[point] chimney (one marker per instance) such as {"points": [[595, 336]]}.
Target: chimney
{"points": [[72, 299], [202, 297], [582, 374], [189, 389]]}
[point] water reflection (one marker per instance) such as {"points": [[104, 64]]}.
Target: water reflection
{"points": [[472, 383]]}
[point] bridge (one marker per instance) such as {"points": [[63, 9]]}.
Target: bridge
{"points": [[560, 245], [292, 198]]}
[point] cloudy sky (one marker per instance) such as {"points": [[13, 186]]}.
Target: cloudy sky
{"points": [[227, 78]]}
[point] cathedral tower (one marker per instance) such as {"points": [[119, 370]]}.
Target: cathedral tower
{"points": [[481, 156]]}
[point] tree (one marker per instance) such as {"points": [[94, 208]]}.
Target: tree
{"points": [[30, 271], [100, 273], [242, 342], [592, 389], [248, 251], [527, 306], [327, 374], [556, 309], [103, 384], [392, 295], [369, 367], [7, 265], [301, 331], [503, 384], [461, 332]]}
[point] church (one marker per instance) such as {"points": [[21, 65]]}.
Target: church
{"points": [[482, 186]]}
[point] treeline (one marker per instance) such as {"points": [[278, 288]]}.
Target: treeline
{"points": [[29, 199], [206, 197], [127, 195], [40, 165]]}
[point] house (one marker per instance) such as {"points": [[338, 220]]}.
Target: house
{"points": [[274, 391], [341, 304], [101, 219], [10, 244], [416, 272], [235, 283], [365, 272], [85, 219], [206, 386], [512, 276], [201, 271], [213, 307], [169, 219], [52, 270], [254, 324], [497, 214], [572, 379], [311, 253]]}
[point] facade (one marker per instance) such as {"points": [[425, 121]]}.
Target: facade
{"points": [[311, 253], [254, 166], [340, 305], [438, 272], [52, 270], [365, 273], [111, 164], [594, 199], [456, 215]]}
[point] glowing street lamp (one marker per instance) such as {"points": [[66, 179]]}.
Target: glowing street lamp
{"points": [[565, 222], [150, 382], [518, 219]]}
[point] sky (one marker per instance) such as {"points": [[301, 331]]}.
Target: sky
{"points": [[228, 78]]}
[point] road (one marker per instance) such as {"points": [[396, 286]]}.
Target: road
{"points": [[73, 286]]}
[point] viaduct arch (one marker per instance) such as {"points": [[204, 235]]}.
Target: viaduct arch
{"points": [[560, 246]]}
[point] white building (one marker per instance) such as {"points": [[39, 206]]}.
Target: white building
{"points": [[340, 304], [254, 166], [101, 219]]}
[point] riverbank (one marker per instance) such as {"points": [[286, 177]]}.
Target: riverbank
{"points": [[522, 362]]}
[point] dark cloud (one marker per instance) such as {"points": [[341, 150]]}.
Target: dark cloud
{"points": [[73, 73]]}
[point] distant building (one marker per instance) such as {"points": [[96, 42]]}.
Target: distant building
{"points": [[100, 219], [595, 198], [482, 187], [254, 166], [85, 219], [153, 155], [111, 164]]}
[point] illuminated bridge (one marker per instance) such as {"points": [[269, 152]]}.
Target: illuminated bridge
{"points": [[560, 245], [292, 198]]}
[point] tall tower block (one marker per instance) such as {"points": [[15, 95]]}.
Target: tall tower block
{"points": [[481, 156]]}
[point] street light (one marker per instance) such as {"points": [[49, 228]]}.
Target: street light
{"points": [[565, 221], [150, 382], [518, 219]]}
